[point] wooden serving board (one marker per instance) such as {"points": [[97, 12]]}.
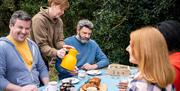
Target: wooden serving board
{"points": [[103, 87]]}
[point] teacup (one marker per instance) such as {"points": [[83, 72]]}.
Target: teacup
{"points": [[81, 73], [52, 86]]}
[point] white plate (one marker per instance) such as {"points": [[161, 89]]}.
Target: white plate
{"points": [[94, 72], [74, 80]]}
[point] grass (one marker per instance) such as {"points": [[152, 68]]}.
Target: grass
{"points": [[53, 74]]}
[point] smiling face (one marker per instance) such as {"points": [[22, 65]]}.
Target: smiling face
{"points": [[20, 30], [84, 34]]}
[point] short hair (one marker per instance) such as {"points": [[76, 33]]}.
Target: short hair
{"points": [[150, 50], [21, 15], [63, 3], [171, 31], [85, 23]]}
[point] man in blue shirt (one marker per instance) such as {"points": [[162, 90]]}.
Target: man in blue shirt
{"points": [[90, 54]]}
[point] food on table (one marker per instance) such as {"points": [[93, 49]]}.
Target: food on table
{"points": [[93, 82], [67, 86]]}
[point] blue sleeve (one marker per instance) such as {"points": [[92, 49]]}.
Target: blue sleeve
{"points": [[101, 58], [41, 65], [63, 73], [3, 81]]}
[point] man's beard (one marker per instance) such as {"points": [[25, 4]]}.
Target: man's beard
{"points": [[81, 39]]}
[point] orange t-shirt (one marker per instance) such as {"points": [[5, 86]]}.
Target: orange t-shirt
{"points": [[24, 51]]}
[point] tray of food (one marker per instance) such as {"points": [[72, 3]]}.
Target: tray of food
{"points": [[94, 84]]}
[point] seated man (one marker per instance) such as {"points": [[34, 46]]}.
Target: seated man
{"points": [[21, 64], [90, 54]]}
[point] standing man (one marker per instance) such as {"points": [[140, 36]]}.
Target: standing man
{"points": [[47, 29], [21, 64], [90, 54]]}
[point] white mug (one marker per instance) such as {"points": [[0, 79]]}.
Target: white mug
{"points": [[81, 73], [52, 86]]}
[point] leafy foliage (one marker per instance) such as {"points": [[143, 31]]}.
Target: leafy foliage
{"points": [[115, 19]]}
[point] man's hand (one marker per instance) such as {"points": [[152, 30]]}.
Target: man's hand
{"points": [[62, 52], [68, 47], [122, 86], [13, 87], [29, 88], [88, 66], [75, 71]]}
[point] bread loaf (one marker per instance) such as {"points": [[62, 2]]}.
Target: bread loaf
{"points": [[93, 82]]}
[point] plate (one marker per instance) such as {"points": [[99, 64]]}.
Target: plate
{"points": [[74, 80], [94, 72]]}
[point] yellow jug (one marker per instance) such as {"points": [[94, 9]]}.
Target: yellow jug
{"points": [[69, 61]]}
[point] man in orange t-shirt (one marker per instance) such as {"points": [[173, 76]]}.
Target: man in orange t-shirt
{"points": [[21, 65]]}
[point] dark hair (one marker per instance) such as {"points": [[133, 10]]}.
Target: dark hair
{"points": [[171, 31], [21, 15]]}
